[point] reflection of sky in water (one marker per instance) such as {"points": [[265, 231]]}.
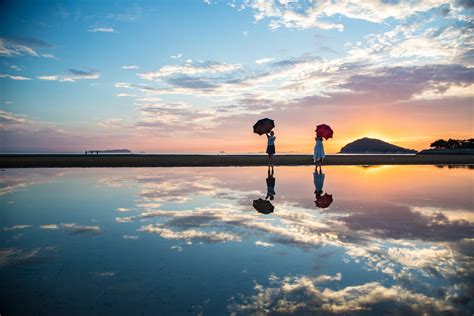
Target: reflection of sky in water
{"points": [[187, 240]]}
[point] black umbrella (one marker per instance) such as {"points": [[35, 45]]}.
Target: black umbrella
{"points": [[263, 206], [263, 126]]}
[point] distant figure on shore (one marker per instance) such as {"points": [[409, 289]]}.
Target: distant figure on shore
{"points": [[271, 147], [318, 152], [85, 152], [270, 184]]}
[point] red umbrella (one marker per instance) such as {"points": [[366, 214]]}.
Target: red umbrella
{"points": [[323, 201], [324, 131], [263, 126]]}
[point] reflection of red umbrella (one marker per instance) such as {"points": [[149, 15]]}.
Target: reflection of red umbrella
{"points": [[323, 201], [263, 126], [324, 131]]}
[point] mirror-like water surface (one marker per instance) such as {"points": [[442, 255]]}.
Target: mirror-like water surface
{"points": [[216, 241]]}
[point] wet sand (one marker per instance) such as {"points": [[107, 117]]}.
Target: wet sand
{"points": [[144, 160]]}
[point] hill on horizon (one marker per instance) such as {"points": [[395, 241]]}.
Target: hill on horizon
{"points": [[375, 146]]}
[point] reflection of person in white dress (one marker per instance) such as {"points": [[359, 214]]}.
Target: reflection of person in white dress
{"points": [[318, 178]]}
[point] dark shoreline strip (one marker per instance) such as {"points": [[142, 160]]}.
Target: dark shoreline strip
{"points": [[110, 160]]}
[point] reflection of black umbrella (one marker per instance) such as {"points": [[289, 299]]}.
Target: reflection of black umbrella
{"points": [[263, 206], [263, 126]]}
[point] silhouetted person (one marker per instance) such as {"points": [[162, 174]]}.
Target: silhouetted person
{"points": [[271, 147], [270, 184], [85, 152]]}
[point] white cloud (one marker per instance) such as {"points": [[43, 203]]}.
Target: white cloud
{"points": [[73, 76], [13, 77], [304, 15], [190, 69], [23, 46], [177, 56], [263, 244], [102, 30], [130, 67], [264, 60]]}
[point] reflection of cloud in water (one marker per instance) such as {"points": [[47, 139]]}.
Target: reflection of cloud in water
{"points": [[306, 295], [404, 237], [392, 221], [12, 181], [16, 227], [15, 256], [73, 228], [263, 244], [78, 229], [123, 209], [190, 234]]}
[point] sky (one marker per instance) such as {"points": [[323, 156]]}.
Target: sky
{"points": [[194, 76]]}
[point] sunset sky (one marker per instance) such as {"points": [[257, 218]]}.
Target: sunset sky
{"points": [[194, 76]]}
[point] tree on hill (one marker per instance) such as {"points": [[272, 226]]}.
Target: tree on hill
{"points": [[453, 143]]}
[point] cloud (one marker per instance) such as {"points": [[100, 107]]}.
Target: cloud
{"points": [[13, 77], [20, 46], [73, 75], [10, 120], [126, 67], [264, 60], [208, 67], [102, 30], [401, 83], [177, 56], [304, 15], [263, 244]]}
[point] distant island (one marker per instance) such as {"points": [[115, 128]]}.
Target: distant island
{"points": [[373, 146], [116, 151], [450, 147]]}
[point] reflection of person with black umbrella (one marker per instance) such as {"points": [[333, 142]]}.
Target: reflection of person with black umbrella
{"points": [[265, 206], [325, 200], [270, 184]]}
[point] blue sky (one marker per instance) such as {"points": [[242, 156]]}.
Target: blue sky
{"points": [[186, 76]]}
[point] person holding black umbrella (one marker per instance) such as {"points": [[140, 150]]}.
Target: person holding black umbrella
{"points": [[265, 126], [271, 147]]}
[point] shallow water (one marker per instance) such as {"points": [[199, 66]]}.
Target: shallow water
{"points": [[389, 239]]}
